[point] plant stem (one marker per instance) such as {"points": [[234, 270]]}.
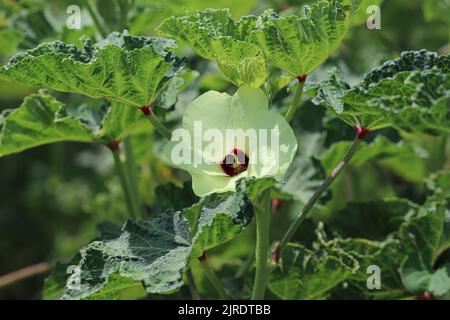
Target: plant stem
{"points": [[132, 210], [159, 127], [192, 285], [262, 213], [212, 277], [298, 95], [96, 18], [124, 8], [25, 273], [316, 196], [130, 164], [162, 129]]}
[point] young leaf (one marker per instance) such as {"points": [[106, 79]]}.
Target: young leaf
{"points": [[155, 252], [411, 93], [127, 69], [41, 119], [298, 45], [214, 35]]}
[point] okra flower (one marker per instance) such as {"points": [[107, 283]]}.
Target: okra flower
{"points": [[226, 138]]}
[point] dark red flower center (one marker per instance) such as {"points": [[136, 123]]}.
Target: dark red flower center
{"points": [[235, 162]]}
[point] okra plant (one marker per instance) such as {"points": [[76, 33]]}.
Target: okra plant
{"points": [[240, 145]]}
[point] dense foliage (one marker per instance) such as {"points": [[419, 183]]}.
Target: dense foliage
{"points": [[85, 181]]}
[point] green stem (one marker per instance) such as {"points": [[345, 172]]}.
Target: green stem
{"points": [[132, 210], [262, 213], [316, 196], [162, 129], [96, 18], [124, 8], [192, 285], [130, 166], [294, 105], [213, 278]]}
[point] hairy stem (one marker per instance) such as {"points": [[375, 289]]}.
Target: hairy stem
{"points": [[212, 277], [162, 129], [298, 95], [132, 210], [262, 213], [130, 166], [315, 197], [90, 4]]}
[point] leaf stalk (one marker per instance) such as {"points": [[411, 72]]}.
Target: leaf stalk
{"points": [[96, 18], [296, 101], [162, 129], [120, 168], [262, 213], [360, 134], [213, 278], [130, 166], [193, 286]]}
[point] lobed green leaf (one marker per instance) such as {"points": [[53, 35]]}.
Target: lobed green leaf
{"points": [[155, 252], [298, 45], [214, 35], [411, 93], [304, 275], [127, 69], [41, 119]]}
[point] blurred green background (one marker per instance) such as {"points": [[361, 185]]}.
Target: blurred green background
{"points": [[52, 197]]}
